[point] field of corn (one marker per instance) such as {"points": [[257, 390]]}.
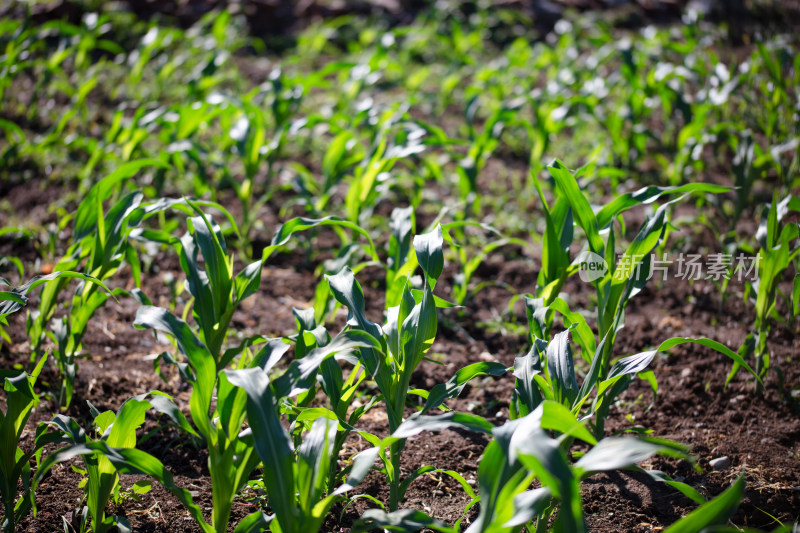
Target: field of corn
{"points": [[470, 267]]}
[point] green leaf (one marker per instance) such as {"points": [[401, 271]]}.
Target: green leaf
{"points": [[200, 359], [648, 195], [543, 456], [247, 281], [286, 231], [557, 417], [347, 291], [687, 490], [428, 248], [445, 391], [404, 520], [302, 373], [581, 209], [594, 373], [130, 417], [528, 505], [254, 523], [714, 345], [91, 205], [715, 512], [272, 442], [613, 453], [362, 464], [142, 486], [419, 423], [561, 369], [313, 462], [417, 333]]}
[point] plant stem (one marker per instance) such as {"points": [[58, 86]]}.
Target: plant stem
{"points": [[395, 448], [221, 490], [394, 488]]}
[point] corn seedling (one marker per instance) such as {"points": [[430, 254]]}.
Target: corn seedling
{"points": [[20, 399], [114, 430], [216, 291], [101, 245], [626, 276], [547, 372], [408, 334], [257, 146], [231, 451], [522, 451], [778, 248], [341, 392], [296, 481]]}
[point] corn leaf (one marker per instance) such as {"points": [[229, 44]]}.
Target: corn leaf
{"points": [[715, 512]]}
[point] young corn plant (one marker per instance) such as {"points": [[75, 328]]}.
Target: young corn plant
{"points": [[20, 400], [408, 334], [216, 292], [256, 149], [114, 430], [547, 372], [100, 247], [296, 481], [394, 140], [219, 407], [400, 262], [523, 451], [340, 391], [216, 295], [623, 277], [778, 249]]}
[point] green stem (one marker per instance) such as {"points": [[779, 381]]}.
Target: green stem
{"points": [[761, 365], [221, 491], [9, 523], [395, 414], [394, 487], [600, 421], [333, 470]]}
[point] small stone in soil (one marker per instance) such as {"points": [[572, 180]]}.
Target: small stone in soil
{"points": [[720, 463]]}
